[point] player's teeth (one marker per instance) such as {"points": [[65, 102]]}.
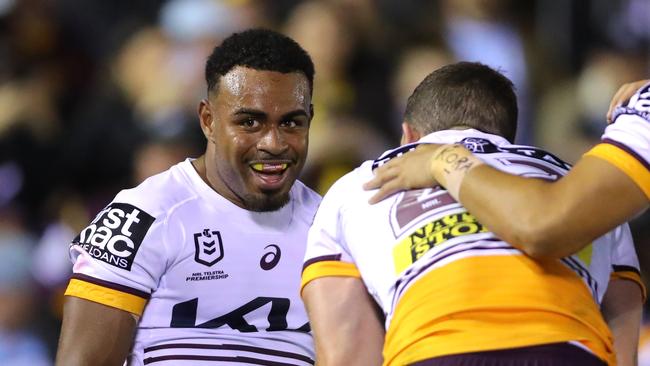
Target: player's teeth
{"points": [[260, 167]]}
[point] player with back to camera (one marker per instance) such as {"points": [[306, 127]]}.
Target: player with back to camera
{"points": [[609, 185], [451, 291], [202, 262]]}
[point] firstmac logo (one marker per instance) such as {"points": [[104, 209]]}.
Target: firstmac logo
{"points": [[116, 234]]}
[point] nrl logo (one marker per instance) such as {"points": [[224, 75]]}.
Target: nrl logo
{"points": [[207, 250]]}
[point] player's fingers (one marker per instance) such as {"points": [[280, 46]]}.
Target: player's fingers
{"points": [[386, 190], [382, 175], [374, 183]]}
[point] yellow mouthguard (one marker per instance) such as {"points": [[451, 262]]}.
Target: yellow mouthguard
{"points": [[260, 166]]}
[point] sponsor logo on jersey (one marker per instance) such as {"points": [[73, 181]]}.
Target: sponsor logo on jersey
{"points": [[432, 234], [115, 235], [209, 247], [186, 315], [271, 258]]}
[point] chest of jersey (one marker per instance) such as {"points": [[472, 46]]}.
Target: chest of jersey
{"points": [[233, 271]]}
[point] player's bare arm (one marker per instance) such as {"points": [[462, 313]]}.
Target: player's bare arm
{"points": [[547, 219], [94, 334], [542, 218], [622, 309], [346, 327]]}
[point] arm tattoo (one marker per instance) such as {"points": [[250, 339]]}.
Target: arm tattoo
{"points": [[453, 160]]}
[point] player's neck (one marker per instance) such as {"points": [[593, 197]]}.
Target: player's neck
{"points": [[199, 166]]}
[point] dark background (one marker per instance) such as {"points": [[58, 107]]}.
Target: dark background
{"points": [[97, 95]]}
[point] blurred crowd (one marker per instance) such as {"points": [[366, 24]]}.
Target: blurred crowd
{"points": [[96, 95]]}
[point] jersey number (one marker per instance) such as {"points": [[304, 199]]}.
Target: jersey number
{"points": [[184, 316]]}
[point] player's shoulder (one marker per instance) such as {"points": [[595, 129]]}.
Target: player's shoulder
{"points": [[159, 193], [350, 184], [503, 153], [305, 196]]}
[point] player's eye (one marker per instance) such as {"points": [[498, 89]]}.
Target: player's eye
{"points": [[290, 124], [293, 123], [249, 122]]}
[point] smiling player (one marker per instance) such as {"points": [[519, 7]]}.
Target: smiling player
{"points": [[202, 262]]}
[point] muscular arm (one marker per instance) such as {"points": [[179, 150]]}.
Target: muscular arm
{"points": [[94, 334], [622, 309], [347, 329], [548, 219], [544, 219]]}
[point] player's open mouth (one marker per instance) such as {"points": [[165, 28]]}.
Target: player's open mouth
{"points": [[270, 174]]}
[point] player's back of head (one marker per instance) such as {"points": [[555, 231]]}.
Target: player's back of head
{"points": [[464, 94], [259, 49]]}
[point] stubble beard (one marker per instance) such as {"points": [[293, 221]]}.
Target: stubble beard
{"points": [[266, 202]]}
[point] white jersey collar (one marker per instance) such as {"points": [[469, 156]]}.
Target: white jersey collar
{"points": [[452, 136]]}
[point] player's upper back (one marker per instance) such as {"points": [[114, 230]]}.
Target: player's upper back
{"points": [[418, 229]]}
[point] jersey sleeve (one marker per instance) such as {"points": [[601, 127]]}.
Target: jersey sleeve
{"points": [[625, 263], [626, 142], [119, 258], [327, 254]]}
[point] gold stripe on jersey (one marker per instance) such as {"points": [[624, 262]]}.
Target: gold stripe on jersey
{"points": [[328, 269], [632, 276], [493, 302], [630, 165], [106, 296]]}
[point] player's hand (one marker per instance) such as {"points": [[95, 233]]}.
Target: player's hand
{"points": [[624, 93], [409, 171]]}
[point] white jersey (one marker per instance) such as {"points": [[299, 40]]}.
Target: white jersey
{"points": [[211, 281], [423, 242], [626, 142]]}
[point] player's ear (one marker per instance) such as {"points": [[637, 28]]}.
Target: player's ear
{"points": [[409, 134], [206, 119]]}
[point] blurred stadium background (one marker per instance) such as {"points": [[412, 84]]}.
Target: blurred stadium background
{"points": [[97, 95]]}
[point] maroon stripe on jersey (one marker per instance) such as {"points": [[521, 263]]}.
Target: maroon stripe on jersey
{"points": [[628, 150], [624, 268], [322, 258], [232, 347], [247, 360], [111, 285]]}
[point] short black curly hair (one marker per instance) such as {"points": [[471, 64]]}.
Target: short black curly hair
{"points": [[259, 49]]}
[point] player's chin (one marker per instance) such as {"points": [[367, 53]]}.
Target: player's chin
{"points": [[270, 192], [266, 202]]}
